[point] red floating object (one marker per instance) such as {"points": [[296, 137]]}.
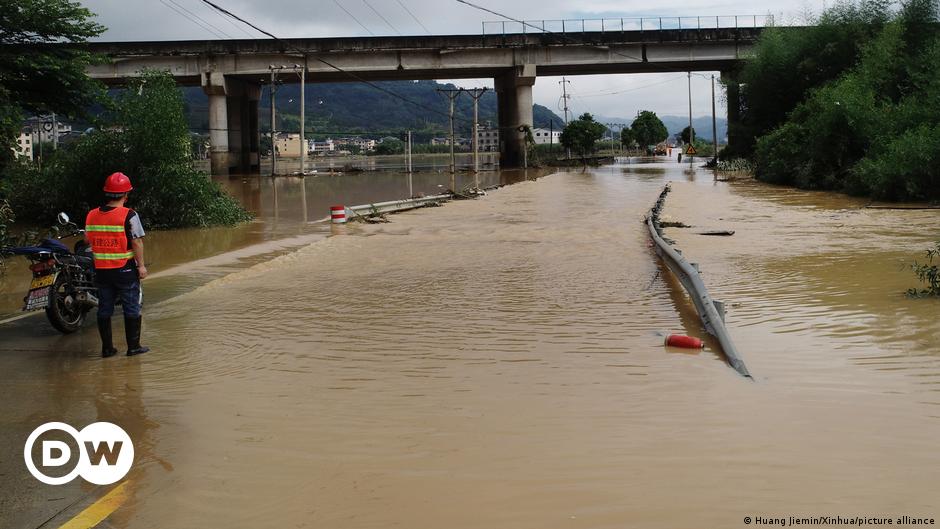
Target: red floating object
{"points": [[680, 340]]}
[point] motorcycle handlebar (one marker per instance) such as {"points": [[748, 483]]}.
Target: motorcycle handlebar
{"points": [[76, 232]]}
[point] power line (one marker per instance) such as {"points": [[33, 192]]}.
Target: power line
{"points": [[568, 38], [199, 18], [337, 68], [369, 31], [426, 30], [387, 23], [632, 89], [323, 61], [194, 21], [564, 36], [231, 23]]}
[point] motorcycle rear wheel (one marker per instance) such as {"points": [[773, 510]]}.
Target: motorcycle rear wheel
{"points": [[64, 312]]}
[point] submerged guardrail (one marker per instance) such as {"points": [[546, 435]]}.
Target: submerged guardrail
{"points": [[711, 312], [392, 206]]}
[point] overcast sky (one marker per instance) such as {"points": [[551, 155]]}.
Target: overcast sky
{"points": [[605, 95]]}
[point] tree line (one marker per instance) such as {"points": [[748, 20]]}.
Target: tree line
{"points": [[850, 103], [142, 133], [580, 136]]}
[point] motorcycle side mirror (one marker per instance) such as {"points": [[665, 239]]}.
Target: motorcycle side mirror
{"points": [[63, 218]]}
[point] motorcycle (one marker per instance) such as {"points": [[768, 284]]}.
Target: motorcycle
{"points": [[63, 280]]}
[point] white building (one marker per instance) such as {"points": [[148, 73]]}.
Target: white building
{"points": [[322, 147], [488, 139], [363, 144], [546, 136], [43, 129], [24, 145], [288, 145]]}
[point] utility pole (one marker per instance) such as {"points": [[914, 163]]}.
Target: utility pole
{"points": [[452, 94], [55, 133], [525, 150], [551, 137], [564, 96], [409, 151], [714, 123], [273, 132], [303, 123], [411, 192], [476, 94], [691, 130]]}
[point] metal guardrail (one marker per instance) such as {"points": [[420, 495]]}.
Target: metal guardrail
{"points": [[711, 312], [398, 205], [612, 25]]}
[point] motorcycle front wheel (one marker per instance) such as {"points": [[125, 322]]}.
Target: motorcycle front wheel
{"points": [[64, 311]]}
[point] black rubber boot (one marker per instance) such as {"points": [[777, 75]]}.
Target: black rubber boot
{"points": [[132, 331], [107, 343]]}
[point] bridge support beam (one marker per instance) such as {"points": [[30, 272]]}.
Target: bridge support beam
{"points": [[514, 99], [233, 124]]}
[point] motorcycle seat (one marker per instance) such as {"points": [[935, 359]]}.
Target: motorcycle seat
{"points": [[28, 250]]}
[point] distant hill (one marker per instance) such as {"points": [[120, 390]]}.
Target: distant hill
{"points": [[675, 124], [356, 108]]}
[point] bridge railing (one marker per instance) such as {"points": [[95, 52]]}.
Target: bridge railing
{"points": [[612, 25]]}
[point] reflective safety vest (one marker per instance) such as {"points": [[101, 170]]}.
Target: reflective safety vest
{"points": [[104, 231]]}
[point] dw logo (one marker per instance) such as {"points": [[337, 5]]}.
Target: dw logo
{"points": [[105, 453]]}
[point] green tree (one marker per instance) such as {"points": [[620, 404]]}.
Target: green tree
{"points": [[875, 130], [390, 146], [788, 63], [928, 273], [149, 141], [648, 129], [43, 63], [6, 220], [581, 134], [627, 138], [685, 135]]}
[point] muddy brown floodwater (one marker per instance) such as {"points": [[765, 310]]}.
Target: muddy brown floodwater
{"points": [[499, 363]]}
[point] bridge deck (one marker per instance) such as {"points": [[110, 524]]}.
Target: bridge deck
{"points": [[431, 42], [435, 57]]}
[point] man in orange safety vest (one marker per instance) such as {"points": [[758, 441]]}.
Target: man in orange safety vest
{"points": [[116, 234]]}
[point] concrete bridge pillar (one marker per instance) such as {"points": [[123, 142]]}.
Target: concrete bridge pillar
{"points": [[733, 94], [213, 84], [514, 100], [233, 124]]}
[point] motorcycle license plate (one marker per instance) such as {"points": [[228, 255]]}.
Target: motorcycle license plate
{"points": [[39, 290]]}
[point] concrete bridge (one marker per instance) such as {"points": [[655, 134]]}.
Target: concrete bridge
{"points": [[232, 71]]}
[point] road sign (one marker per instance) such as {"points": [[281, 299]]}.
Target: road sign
{"points": [[690, 150]]}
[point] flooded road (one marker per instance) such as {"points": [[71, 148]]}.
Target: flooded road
{"points": [[286, 210], [499, 363]]}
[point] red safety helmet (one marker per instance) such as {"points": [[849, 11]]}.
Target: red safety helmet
{"points": [[118, 183]]}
